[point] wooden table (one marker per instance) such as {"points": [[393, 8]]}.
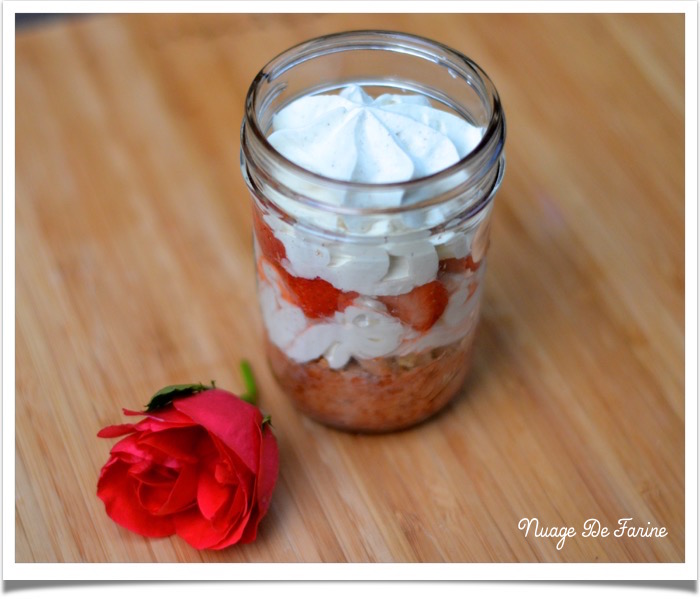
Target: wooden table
{"points": [[134, 270]]}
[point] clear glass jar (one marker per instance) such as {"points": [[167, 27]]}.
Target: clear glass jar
{"points": [[370, 312]]}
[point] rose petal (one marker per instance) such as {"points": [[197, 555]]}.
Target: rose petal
{"points": [[230, 469], [236, 475], [153, 474], [129, 449], [165, 414], [118, 492], [236, 510], [196, 529], [232, 420], [158, 420], [156, 423], [269, 469], [178, 443], [221, 531], [183, 492], [211, 494], [240, 518], [152, 497], [267, 477], [116, 430]]}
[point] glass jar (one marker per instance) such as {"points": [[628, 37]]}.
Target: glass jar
{"points": [[370, 292]]}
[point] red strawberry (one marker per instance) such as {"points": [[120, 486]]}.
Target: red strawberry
{"points": [[459, 264], [316, 297], [420, 307], [271, 247]]}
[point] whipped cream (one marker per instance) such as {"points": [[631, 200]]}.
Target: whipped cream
{"points": [[354, 137], [365, 329], [388, 268]]}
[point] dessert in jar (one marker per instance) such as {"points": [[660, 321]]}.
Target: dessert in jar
{"points": [[372, 159]]}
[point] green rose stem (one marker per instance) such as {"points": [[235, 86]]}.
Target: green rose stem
{"points": [[251, 389]]}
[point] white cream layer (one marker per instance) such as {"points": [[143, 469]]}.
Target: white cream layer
{"points": [[365, 329], [351, 136], [390, 268], [354, 137]]}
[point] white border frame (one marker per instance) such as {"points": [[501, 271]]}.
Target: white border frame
{"points": [[328, 572]]}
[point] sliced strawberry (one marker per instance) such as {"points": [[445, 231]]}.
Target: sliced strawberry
{"points": [[420, 307], [459, 264], [345, 299], [316, 297], [271, 247]]}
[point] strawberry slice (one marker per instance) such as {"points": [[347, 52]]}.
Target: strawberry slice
{"points": [[316, 297], [271, 247], [421, 307], [459, 264]]}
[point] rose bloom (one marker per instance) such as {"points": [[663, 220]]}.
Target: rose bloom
{"points": [[202, 467]]}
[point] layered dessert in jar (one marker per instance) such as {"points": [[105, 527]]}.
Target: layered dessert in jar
{"points": [[371, 201]]}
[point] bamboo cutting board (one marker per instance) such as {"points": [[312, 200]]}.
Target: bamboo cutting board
{"points": [[134, 270]]}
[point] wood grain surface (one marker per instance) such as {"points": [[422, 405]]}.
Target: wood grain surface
{"points": [[134, 270]]}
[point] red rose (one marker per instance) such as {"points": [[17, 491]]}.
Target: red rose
{"points": [[202, 467]]}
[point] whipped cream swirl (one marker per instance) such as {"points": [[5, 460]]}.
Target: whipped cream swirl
{"points": [[354, 137]]}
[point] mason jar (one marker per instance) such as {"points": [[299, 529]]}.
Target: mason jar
{"points": [[370, 291]]}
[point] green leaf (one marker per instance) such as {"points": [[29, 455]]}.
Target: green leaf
{"points": [[251, 389], [172, 392], [266, 420]]}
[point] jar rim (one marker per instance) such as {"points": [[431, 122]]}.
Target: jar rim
{"points": [[396, 41]]}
